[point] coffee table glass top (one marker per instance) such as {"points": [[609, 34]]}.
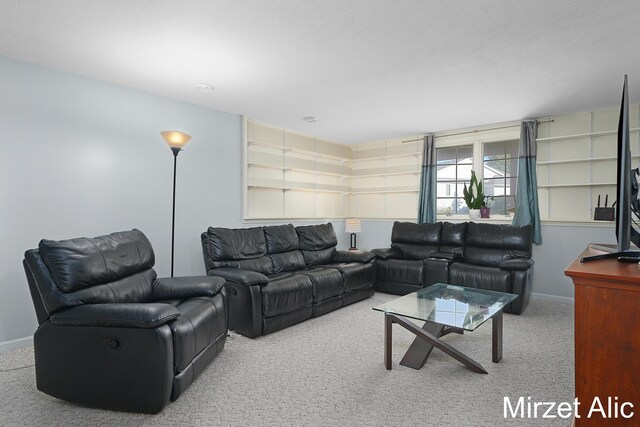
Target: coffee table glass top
{"points": [[456, 306]]}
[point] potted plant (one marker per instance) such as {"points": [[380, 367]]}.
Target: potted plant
{"points": [[473, 196], [485, 210]]}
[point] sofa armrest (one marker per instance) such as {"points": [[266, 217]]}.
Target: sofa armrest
{"points": [[516, 264], [387, 253], [353, 256], [243, 277], [166, 288], [124, 315], [449, 256]]}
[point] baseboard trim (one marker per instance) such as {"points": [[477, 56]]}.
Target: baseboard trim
{"points": [[539, 296], [20, 342]]}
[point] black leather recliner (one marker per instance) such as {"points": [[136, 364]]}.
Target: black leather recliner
{"points": [[111, 334], [486, 256], [281, 275]]}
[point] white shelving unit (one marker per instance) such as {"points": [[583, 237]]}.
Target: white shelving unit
{"points": [[577, 162], [291, 175], [385, 176]]}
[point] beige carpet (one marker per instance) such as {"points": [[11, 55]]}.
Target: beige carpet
{"points": [[329, 371]]}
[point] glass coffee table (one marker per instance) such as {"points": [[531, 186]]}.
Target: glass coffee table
{"points": [[445, 309]]}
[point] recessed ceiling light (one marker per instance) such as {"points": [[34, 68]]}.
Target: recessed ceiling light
{"points": [[310, 119], [204, 87]]}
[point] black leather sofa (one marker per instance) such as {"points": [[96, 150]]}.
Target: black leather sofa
{"points": [[111, 334], [277, 276], [487, 256]]}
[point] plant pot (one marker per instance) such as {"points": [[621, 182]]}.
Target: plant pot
{"points": [[485, 212], [474, 213]]}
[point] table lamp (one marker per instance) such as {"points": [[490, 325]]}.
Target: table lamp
{"points": [[353, 226]]}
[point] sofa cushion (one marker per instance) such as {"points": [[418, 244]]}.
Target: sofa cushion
{"points": [[492, 244], [80, 263], [417, 234], [316, 237], [453, 237], [411, 251], [327, 282], [261, 265], [319, 257], [480, 277], [400, 271], [281, 238], [235, 243], [287, 261], [353, 256], [286, 292], [356, 275], [131, 289]]}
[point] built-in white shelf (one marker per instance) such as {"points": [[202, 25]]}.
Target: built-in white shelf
{"points": [[294, 169], [373, 175], [582, 160], [285, 149], [285, 188], [582, 135], [393, 156], [384, 191], [291, 175], [588, 184]]}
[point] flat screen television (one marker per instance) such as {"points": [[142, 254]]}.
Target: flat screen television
{"points": [[627, 206]]}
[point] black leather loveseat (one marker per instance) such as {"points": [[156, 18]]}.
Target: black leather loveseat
{"points": [[487, 256], [111, 334], [277, 276]]}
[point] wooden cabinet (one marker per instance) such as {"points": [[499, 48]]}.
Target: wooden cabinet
{"points": [[607, 340]]}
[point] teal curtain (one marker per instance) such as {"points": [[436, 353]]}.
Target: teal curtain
{"points": [[527, 210], [427, 200]]}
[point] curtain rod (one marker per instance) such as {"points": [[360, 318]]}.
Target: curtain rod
{"points": [[476, 131]]}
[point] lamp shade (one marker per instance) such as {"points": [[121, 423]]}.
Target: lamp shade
{"points": [[175, 138], [353, 226]]}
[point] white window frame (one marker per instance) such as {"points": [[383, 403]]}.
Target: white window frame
{"points": [[477, 137], [448, 194], [505, 178]]}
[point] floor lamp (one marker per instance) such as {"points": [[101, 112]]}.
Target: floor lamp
{"points": [[175, 140]]}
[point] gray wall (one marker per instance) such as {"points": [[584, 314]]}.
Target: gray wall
{"points": [[84, 158]]}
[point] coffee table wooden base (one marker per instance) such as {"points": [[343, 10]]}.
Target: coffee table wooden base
{"points": [[428, 337]]}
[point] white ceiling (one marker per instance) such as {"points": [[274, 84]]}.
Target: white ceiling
{"points": [[368, 69]]}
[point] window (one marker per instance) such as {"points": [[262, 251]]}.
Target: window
{"points": [[454, 171], [500, 174]]}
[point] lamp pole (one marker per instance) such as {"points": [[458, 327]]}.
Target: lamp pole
{"points": [[176, 151], [175, 140]]}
